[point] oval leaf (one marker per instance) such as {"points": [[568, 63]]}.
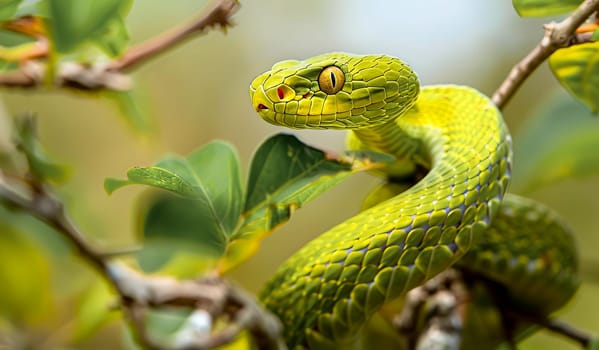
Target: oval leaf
{"points": [[285, 174], [217, 169], [559, 142], [541, 8], [173, 225], [577, 69], [163, 178], [75, 22], [283, 164], [209, 179], [8, 8]]}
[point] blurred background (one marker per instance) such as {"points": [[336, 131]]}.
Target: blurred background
{"points": [[199, 92]]}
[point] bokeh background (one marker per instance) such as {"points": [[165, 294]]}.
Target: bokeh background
{"points": [[198, 93]]}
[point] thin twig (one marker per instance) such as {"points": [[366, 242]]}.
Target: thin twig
{"points": [[138, 292], [50, 210], [557, 35], [441, 302], [112, 76], [218, 14], [556, 326]]}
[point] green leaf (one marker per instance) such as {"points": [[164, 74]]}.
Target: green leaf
{"points": [[209, 179], [283, 164], [559, 142], [206, 219], [10, 38], [577, 69], [114, 38], [595, 35], [131, 108], [171, 227], [32, 8], [541, 8], [93, 310], [8, 8], [14, 47], [286, 174], [160, 176], [210, 175], [25, 277], [6, 65], [75, 22], [40, 164]]}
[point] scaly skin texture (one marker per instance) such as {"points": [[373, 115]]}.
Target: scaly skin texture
{"points": [[333, 285]]}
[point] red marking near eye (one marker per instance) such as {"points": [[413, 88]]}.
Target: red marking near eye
{"points": [[281, 93], [306, 95], [261, 106]]}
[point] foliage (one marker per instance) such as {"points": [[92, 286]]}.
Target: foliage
{"points": [[577, 69], [40, 164], [223, 219], [204, 216], [539, 8], [571, 152], [76, 23]]}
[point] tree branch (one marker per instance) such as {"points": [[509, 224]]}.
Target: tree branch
{"points": [[555, 326], [211, 296], [112, 75], [442, 301], [218, 14], [557, 35]]}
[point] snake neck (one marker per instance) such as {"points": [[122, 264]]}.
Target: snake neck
{"points": [[336, 282], [397, 139]]}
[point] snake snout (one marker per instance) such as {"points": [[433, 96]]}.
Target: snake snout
{"points": [[260, 101]]}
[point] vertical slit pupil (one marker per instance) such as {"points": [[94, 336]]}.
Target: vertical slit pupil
{"points": [[333, 82]]}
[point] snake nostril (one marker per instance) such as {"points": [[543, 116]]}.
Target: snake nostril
{"points": [[261, 107]]}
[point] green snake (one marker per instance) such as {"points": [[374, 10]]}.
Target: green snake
{"points": [[457, 213]]}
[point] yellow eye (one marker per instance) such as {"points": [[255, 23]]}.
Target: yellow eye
{"points": [[331, 80]]}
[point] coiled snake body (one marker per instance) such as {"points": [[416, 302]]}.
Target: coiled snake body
{"points": [[332, 286]]}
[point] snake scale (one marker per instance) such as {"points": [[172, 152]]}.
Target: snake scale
{"points": [[457, 213]]}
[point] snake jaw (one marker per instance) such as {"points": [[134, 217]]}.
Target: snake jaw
{"points": [[335, 91]]}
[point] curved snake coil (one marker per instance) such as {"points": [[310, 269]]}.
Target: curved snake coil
{"points": [[330, 288]]}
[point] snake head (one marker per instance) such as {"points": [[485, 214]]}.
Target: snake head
{"points": [[335, 91]]}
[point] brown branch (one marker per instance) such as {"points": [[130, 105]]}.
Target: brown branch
{"points": [[210, 297], [555, 326], [48, 209], [442, 302], [218, 14], [112, 76], [139, 292], [557, 35]]}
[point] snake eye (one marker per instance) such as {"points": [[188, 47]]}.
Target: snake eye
{"points": [[331, 80]]}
